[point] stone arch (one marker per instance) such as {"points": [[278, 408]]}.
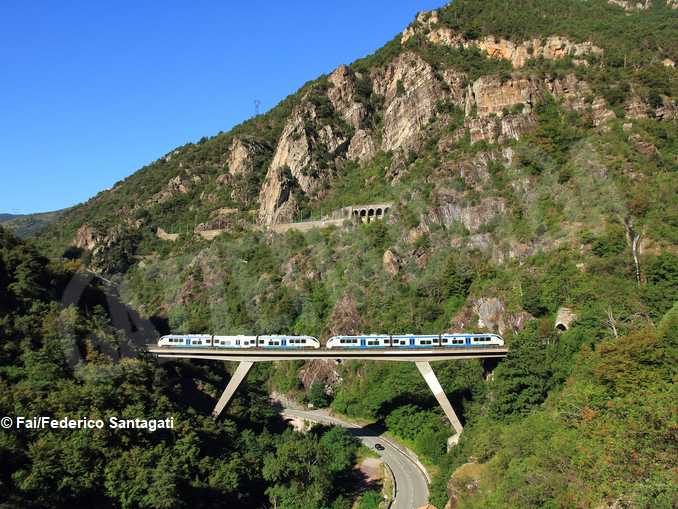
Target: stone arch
{"points": [[564, 318]]}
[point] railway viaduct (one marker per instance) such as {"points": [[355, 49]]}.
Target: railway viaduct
{"points": [[421, 358]]}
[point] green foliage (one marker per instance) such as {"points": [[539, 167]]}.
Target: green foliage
{"points": [[605, 436], [317, 396], [370, 500], [522, 381], [303, 468], [202, 462], [470, 61], [661, 290]]}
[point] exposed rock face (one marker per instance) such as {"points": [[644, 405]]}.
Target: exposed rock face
{"points": [[518, 53], [163, 235], [302, 140], [474, 170], [220, 220], [489, 95], [571, 90], [205, 272], [241, 155], [86, 238], [575, 93], [500, 129], [298, 270], [342, 95], [176, 185], [424, 20], [345, 318], [323, 371], [464, 481], [644, 147], [410, 90], [600, 113], [632, 6], [362, 146], [451, 207], [553, 48], [277, 201], [492, 95], [635, 107], [112, 250], [491, 314], [391, 263], [667, 111]]}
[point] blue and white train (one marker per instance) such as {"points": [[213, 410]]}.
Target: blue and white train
{"points": [[368, 341], [460, 340], [209, 341]]}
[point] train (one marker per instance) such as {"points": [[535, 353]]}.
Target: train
{"points": [[210, 341], [466, 340], [368, 341]]}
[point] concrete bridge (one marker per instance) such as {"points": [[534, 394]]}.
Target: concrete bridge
{"points": [[420, 356]]}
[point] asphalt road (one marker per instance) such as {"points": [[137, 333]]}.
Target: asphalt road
{"points": [[411, 483]]}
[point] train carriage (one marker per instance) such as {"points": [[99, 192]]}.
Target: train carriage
{"points": [[237, 342], [372, 341], [282, 341], [364, 341]]}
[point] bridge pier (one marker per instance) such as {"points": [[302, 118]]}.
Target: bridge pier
{"points": [[235, 381], [432, 380]]}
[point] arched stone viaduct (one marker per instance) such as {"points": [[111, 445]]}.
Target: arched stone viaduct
{"points": [[365, 213]]}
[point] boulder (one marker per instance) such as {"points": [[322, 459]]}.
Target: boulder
{"points": [[391, 263]]}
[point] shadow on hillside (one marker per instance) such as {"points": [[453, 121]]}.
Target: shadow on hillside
{"points": [[88, 291]]}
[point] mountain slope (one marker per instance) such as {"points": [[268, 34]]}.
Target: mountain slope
{"points": [[28, 225], [528, 151]]}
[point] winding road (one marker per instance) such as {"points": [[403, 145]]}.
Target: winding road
{"points": [[410, 478]]}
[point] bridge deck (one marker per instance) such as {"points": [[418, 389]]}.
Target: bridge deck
{"points": [[384, 354]]}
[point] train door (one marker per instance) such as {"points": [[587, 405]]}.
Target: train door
{"points": [[283, 342], [411, 341], [468, 341], [362, 343]]}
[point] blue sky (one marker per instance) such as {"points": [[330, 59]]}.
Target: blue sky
{"points": [[92, 91]]}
